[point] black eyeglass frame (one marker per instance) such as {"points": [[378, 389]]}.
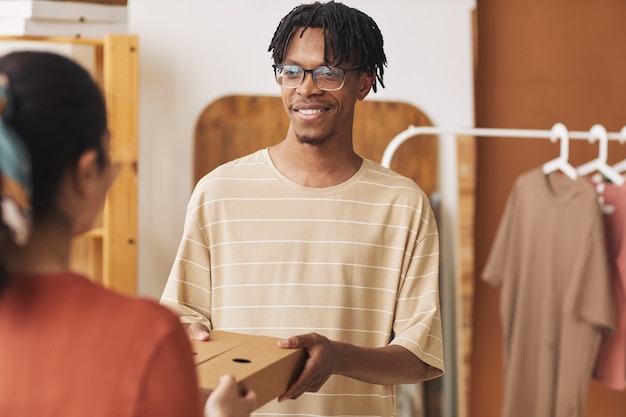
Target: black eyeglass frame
{"points": [[312, 72]]}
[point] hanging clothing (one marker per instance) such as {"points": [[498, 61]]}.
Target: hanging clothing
{"points": [[610, 367], [549, 259]]}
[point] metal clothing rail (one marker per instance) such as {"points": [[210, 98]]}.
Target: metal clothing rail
{"points": [[411, 131]]}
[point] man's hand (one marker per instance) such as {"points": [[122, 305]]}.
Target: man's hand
{"points": [[227, 401], [197, 331], [320, 365], [387, 365]]}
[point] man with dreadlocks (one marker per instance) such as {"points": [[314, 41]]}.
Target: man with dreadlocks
{"points": [[309, 242]]}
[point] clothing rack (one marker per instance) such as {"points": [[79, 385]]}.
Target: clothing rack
{"points": [[412, 131], [457, 189]]}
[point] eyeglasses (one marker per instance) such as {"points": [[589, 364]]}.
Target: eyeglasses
{"points": [[325, 77]]}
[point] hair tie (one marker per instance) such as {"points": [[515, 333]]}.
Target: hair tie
{"points": [[15, 173]]}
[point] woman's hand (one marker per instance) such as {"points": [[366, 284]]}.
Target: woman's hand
{"points": [[227, 401]]}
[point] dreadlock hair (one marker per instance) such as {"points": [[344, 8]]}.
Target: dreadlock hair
{"points": [[350, 36]]}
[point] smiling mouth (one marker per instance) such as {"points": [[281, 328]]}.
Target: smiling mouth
{"points": [[310, 112]]}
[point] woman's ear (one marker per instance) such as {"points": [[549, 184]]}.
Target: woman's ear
{"points": [[86, 172], [83, 190]]}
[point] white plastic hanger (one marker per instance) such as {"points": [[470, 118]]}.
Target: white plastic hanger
{"points": [[599, 164], [559, 132], [621, 165]]}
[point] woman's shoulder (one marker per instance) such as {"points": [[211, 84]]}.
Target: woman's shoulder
{"points": [[125, 312]]}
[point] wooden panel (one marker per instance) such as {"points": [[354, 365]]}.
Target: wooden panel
{"points": [[111, 2], [464, 267], [52, 39], [377, 122], [235, 126], [120, 214]]}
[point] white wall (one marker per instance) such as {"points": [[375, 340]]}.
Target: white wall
{"points": [[185, 46]]}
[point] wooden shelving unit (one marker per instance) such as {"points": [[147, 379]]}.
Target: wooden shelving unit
{"points": [[108, 253]]}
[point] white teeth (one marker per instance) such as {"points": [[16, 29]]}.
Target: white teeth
{"points": [[310, 111]]}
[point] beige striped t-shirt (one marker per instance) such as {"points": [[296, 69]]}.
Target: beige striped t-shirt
{"points": [[357, 262]]}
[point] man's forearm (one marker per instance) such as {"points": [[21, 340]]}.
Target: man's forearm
{"points": [[389, 365]]}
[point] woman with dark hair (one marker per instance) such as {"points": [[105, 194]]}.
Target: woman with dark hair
{"points": [[69, 347]]}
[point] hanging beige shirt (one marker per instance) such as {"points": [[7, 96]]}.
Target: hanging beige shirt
{"points": [[549, 258], [357, 262]]}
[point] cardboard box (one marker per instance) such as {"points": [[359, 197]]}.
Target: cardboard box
{"points": [[62, 11], [117, 2], [256, 362], [30, 27], [53, 18], [218, 343]]}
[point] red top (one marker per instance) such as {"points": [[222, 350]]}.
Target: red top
{"points": [[69, 347]]}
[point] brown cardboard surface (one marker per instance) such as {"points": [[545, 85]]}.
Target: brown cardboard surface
{"points": [[256, 362], [65, 12], [116, 2], [64, 19], [218, 343]]}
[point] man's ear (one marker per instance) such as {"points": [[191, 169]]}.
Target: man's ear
{"points": [[86, 171], [366, 82]]}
